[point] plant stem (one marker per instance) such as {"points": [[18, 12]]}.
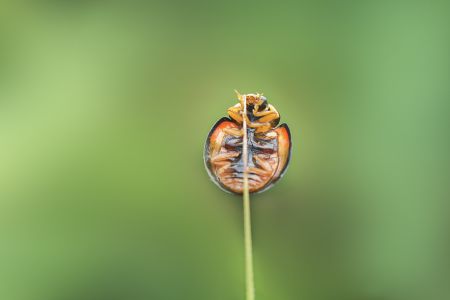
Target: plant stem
{"points": [[249, 281]]}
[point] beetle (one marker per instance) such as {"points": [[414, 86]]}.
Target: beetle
{"points": [[269, 146]]}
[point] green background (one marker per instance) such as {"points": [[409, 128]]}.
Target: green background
{"points": [[104, 110]]}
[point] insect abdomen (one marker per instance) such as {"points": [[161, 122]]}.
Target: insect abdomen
{"points": [[268, 156]]}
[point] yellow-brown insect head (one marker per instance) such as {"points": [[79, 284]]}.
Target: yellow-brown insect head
{"points": [[252, 99]]}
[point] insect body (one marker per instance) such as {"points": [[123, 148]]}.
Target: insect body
{"points": [[269, 146]]}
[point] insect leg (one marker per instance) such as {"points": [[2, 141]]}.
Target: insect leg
{"points": [[258, 171], [234, 132], [221, 161], [264, 164], [260, 127], [269, 115], [263, 113], [235, 113], [223, 157]]}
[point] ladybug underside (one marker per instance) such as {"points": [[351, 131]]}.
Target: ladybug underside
{"points": [[267, 157], [268, 147]]}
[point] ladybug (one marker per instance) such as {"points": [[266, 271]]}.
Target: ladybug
{"points": [[269, 146]]}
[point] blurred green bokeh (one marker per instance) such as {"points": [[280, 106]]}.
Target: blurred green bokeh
{"points": [[104, 109]]}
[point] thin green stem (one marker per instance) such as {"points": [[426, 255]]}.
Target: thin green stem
{"points": [[249, 281]]}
